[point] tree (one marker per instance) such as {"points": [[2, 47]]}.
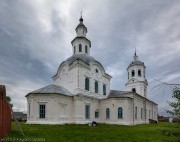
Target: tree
{"points": [[8, 99], [175, 105]]}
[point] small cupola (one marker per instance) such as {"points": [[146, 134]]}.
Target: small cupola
{"points": [[81, 29], [81, 44]]}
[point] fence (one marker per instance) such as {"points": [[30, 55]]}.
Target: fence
{"points": [[5, 113]]}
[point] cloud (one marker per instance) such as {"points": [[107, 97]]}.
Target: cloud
{"points": [[35, 38]]}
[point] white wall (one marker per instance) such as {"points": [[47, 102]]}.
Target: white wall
{"points": [[58, 108], [64, 109], [73, 78]]}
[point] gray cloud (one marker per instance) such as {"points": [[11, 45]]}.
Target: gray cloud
{"points": [[35, 38]]}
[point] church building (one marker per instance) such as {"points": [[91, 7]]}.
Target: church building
{"points": [[81, 92]]}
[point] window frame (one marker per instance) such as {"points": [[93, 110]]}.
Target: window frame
{"points": [[132, 73], [29, 109], [96, 87], [136, 112], [87, 84], [141, 113], [87, 111], [120, 112], [107, 113], [96, 113], [80, 47], [86, 49], [42, 111], [104, 89]]}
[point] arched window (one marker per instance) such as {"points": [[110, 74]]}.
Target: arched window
{"points": [[96, 87], [104, 89], [86, 49], [139, 72], [107, 113], [87, 84], [80, 48], [132, 73], [120, 112], [134, 90], [74, 49], [136, 112]]}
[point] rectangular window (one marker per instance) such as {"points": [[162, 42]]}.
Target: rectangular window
{"points": [[87, 111], [86, 49], [29, 109], [96, 87], [80, 48], [135, 112], [141, 113], [107, 113], [104, 89], [87, 84], [42, 111], [97, 114]]}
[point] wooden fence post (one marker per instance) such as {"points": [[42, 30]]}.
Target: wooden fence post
{"points": [[5, 113]]}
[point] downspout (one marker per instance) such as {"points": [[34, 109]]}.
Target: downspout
{"points": [[133, 108], [145, 109]]}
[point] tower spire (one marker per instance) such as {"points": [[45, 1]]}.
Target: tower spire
{"points": [[135, 55], [81, 14], [81, 19]]}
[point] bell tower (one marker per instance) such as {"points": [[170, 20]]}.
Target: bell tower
{"points": [[136, 77], [80, 44]]}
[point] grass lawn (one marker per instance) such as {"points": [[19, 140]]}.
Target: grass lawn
{"points": [[168, 132]]}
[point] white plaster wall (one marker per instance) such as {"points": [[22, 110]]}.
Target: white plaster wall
{"points": [[113, 104], [68, 78], [79, 109], [147, 105], [83, 43], [138, 82], [93, 76], [58, 109], [63, 109], [136, 68], [141, 88], [81, 32]]}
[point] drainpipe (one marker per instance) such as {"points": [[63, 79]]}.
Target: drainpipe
{"points": [[133, 108]]}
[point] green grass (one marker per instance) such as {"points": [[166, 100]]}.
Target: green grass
{"points": [[168, 132]]}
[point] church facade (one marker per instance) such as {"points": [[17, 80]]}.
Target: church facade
{"points": [[81, 93]]}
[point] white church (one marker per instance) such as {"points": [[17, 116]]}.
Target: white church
{"points": [[81, 92]]}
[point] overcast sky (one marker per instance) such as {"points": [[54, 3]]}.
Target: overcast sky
{"points": [[36, 35]]}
